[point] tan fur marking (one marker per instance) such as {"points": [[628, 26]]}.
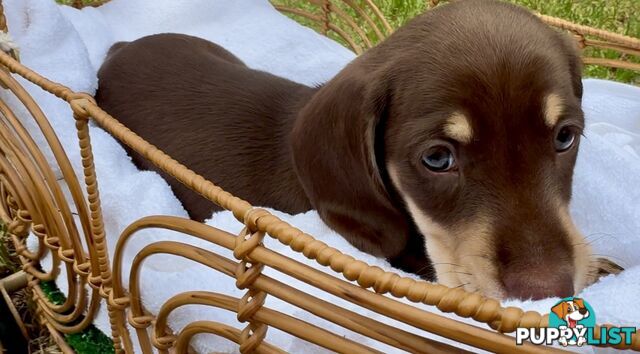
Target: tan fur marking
{"points": [[457, 255], [582, 253], [459, 128], [463, 249], [553, 107]]}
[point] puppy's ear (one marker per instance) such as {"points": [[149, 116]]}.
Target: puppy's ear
{"points": [[578, 301], [337, 142], [573, 55], [560, 310]]}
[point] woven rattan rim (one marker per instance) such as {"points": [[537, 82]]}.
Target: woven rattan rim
{"points": [[28, 199]]}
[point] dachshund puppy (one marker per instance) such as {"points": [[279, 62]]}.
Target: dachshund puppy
{"points": [[448, 149]]}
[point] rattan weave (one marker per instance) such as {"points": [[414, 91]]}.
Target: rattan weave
{"points": [[31, 200]]}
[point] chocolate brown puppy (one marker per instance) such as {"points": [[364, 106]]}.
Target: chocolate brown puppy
{"points": [[448, 148], [205, 108]]}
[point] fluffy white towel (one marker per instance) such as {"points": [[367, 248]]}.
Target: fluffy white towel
{"points": [[68, 45]]}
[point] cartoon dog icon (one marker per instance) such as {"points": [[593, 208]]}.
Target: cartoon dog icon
{"points": [[572, 311]]}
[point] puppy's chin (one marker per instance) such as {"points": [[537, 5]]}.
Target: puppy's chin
{"points": [[462, 258], [465, 257]]}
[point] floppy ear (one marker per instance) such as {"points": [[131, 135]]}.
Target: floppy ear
{"points": [[336, 143], [573, 54], [580, 302], [560, 310]]}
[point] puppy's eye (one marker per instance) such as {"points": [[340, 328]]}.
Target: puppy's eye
{"points": [[439, 159], [565, 137]]}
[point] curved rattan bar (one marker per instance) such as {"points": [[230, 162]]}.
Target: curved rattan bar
{"points": [[630, 42], [257, 313], [221, 330], [32, 202], [345, 318], [343, 34], [443, 326], [369, 21], [329, 8], [24, 168], [59, 219]]}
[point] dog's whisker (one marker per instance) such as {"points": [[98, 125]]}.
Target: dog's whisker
{"points": [[422, 271], [601, 234], [456, 272], [606, 256], [589, 241], [445, 263], [461, 285], [484, 256]]}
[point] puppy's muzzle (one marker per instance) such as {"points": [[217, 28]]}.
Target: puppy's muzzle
{"points": [[537, 263], [537, 284], [583, 311]]}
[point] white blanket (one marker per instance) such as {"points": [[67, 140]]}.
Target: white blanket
{"points": [[68, 46]]}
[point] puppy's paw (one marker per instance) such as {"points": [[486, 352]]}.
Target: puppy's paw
{"points": [[607, 266], [563, 341], [601, 267]]}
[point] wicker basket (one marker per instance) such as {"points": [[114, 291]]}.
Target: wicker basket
{"points": [[31, 200]]}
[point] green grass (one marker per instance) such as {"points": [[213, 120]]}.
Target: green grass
{"points": [[619, 16], [89, 341], [8, 259]]}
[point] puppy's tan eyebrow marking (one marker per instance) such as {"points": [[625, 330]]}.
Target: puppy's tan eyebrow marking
{"points": [[458, 127], [553, 107]]}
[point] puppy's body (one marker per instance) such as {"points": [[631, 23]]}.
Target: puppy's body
{"points": [[202, 106], [459, 133], [205, 108]]}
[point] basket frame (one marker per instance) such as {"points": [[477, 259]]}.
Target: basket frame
{"points": [[31, 202]]}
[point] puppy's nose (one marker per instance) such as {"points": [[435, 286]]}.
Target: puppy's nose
{"points": [[531, 284], [583, 311]]}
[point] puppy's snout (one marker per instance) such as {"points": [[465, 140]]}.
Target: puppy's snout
{"points": [[583, 311], [536, 259], [527, 283]]}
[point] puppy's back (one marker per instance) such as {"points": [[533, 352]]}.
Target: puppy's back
{"points": [[201, 105]]}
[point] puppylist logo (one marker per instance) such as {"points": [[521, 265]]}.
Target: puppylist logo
{"points": [[572, 322]]}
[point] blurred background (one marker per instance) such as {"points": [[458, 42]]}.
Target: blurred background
{"points": [[619, 16]]}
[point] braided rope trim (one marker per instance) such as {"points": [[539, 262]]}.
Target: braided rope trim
{"points": [[445, 299], [631, 42], [352, 269]]}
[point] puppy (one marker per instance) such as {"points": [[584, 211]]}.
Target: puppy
{"points": [[448, 148], [572, 312]]}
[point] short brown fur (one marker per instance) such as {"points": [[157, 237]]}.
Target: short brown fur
{"points": [[280, 144]]}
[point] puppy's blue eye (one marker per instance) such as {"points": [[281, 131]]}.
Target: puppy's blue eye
{"points": [[439, 159], [564, 139]]}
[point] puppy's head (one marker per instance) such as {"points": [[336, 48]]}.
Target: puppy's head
{"points": [[465, 123], [571, 311]]}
